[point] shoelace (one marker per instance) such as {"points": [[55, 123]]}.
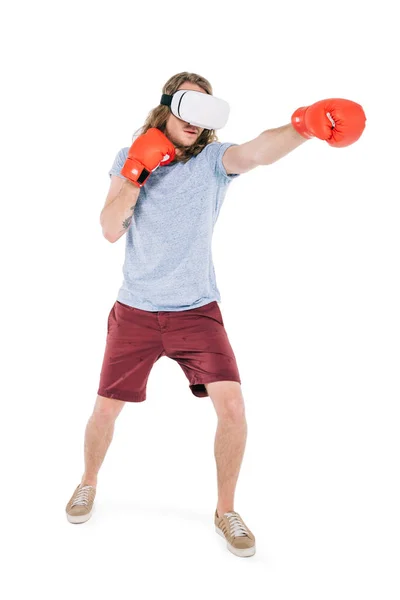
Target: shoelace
{"points": [[82, 496], [236, 525]]}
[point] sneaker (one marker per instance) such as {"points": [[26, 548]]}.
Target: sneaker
{"points": [[80, 507], [240, 540]]}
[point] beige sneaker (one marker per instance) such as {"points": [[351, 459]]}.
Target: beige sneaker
{"points": [[240, 540], [80, 507]]}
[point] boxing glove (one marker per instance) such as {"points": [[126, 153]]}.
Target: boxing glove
{"points": [[338, 121], [148, 151]]}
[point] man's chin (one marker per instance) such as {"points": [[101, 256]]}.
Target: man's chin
{"points": [[182, 146]]}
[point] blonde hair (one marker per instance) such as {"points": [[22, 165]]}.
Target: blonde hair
{"points": [[158, 116]]}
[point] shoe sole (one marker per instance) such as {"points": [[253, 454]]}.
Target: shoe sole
{"points": [[237, 551], [79, 518]]}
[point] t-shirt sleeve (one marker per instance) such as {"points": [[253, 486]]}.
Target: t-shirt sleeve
{"points": [[213, 153], [118, 163]]}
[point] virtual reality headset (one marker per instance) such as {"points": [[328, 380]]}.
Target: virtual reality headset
{"points": [[198, 108]]}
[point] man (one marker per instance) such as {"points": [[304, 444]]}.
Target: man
{"points": [[166, 192]]}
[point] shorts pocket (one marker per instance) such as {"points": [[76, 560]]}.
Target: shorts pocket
{"points": [[126, 306], [218, 314], [111, 318]]}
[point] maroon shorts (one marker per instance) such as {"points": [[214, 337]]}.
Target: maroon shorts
{"points": [[136, 339]]}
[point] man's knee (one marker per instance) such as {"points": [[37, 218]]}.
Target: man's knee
{"points": [[107, 408], [228, 399]]}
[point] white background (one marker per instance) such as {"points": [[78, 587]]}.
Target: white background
{"points": [[306, 253]]}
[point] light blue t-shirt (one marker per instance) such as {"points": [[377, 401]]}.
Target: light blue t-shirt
{"points": [[168, 258]]}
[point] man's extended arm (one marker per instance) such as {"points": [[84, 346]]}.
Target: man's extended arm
{"points": [[337, 121], [265, 149]]}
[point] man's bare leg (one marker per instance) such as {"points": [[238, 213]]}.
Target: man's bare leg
{"points": [[98, 435]]}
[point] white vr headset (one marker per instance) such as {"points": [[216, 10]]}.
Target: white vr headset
{"points": [[198, 108]]}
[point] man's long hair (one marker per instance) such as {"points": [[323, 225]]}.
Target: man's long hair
{"points": [[158, 116]]}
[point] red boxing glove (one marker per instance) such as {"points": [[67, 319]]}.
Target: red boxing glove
{"points": [[338, 121], [147, 152]]}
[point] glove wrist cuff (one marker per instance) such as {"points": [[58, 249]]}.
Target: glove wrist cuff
{"points": [[298, 122], [135, 172]]}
